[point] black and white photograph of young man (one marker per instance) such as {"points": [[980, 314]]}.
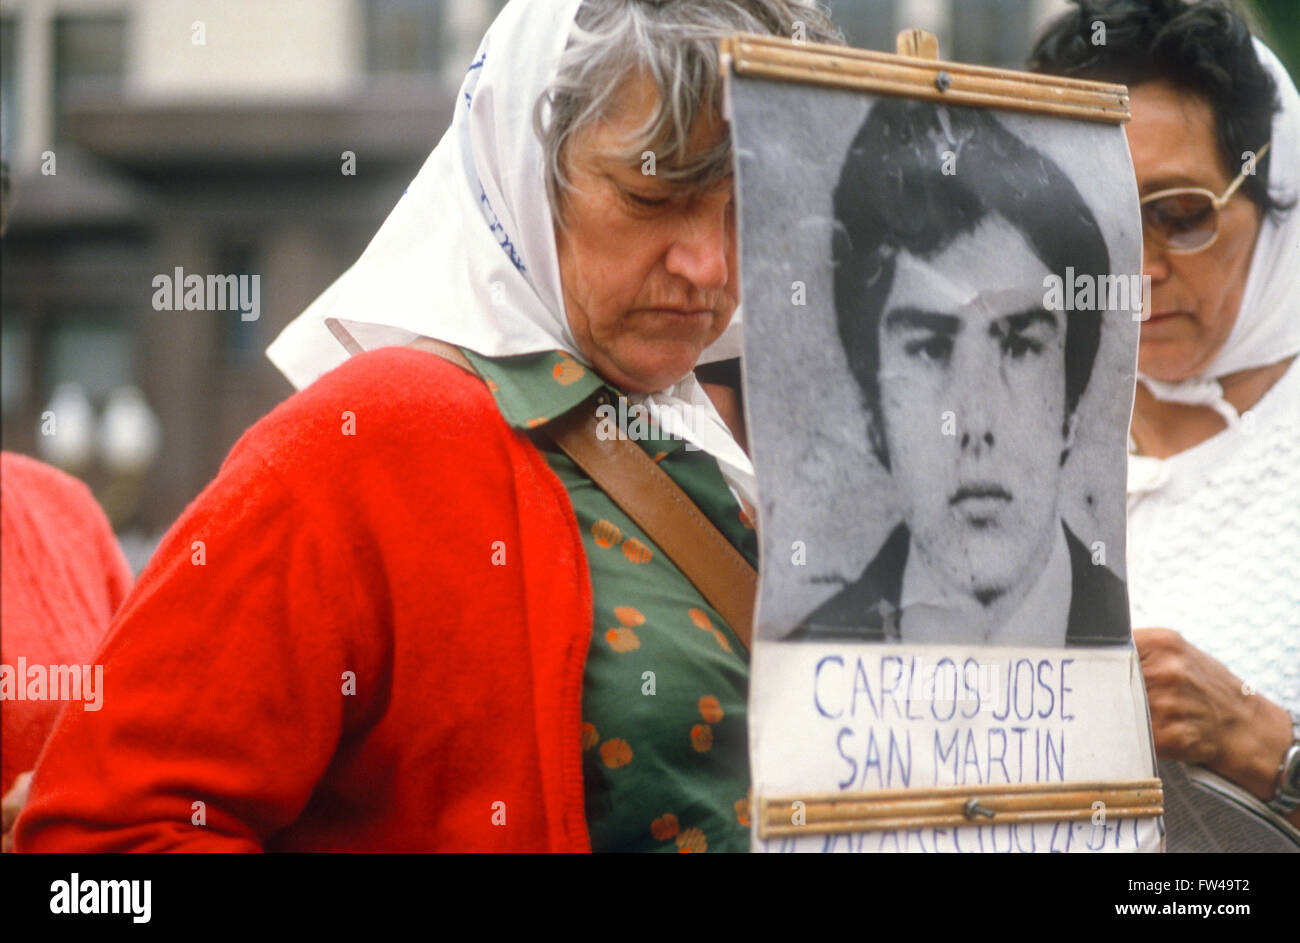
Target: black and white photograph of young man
{"points": [[946, 228]]}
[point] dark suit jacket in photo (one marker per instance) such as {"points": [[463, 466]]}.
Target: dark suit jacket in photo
{"points": [[862, 610]]}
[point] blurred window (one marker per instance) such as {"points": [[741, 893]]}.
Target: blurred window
{"points": [[405, 36], [990, 33], [89, 60], [15, 368], [241, 341], [867, 24], [95, 350], [8, 78]]}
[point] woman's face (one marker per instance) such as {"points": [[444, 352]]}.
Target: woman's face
{"points": [[649, 271], [1194, 298]]}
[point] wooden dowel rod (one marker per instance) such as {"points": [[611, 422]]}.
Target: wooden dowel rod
{"points": [[761, 45], [1059, 796], [1103, 111], [902, 823], [917, 76], [920, 74], [917, 43], [971, 790], [999, 806]]}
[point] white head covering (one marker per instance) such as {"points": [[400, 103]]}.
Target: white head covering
{"points": [[468, 254], [1268, 322]]}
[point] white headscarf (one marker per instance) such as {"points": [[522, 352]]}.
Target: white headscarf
{"points": [[1268, 322], [468, 254]]}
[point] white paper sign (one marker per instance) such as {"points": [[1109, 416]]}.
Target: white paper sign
{"points": [[941, 323], [872, 717]]}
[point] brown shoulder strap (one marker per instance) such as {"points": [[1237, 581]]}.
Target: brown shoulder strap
{"points": [[622, 470], [665, 512]]}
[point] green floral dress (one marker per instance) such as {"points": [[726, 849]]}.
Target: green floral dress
{"points": [[666, 765]]}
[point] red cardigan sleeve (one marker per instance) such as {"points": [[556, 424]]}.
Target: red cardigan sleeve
{"points": [[223, 689], [324, 652]]}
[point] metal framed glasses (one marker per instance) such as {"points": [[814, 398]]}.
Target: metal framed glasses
{"points": [[1186, 219]]}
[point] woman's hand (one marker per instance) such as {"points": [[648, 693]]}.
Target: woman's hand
{"points": [[1202, 713]]}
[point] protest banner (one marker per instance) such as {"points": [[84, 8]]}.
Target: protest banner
{"points": [[941, 276]]}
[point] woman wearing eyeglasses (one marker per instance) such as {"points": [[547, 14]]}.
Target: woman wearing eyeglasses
{"points": [[1214, 477]]}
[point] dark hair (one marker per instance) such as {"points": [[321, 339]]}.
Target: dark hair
{"points": [[1204, 49], [893, 195]]}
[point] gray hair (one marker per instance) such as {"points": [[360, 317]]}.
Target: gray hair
{"points": [[675, 42]]}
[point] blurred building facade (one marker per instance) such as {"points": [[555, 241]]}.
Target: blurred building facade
{"points": [[213, 136]]}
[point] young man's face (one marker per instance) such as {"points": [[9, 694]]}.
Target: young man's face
{"points": [[978, 487]]}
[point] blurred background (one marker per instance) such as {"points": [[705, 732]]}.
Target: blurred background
{"points": [[146, 135]]}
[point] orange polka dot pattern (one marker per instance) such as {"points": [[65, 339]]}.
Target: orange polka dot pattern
{"points": [[665, 827], [615, 753], [692, 840]]}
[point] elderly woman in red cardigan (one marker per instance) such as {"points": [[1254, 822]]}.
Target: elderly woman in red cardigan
{"points": [[401, 618]]}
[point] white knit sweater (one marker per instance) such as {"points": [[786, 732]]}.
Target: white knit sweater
{"points": [[1214, 544]]}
